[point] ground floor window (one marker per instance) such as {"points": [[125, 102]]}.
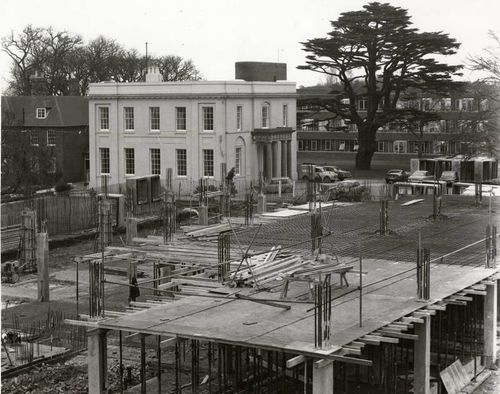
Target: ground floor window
{"points": [[129, 161], [155, 161], [181, 162], [104, 155], [237, 161], [208, 162], [400, 146]]}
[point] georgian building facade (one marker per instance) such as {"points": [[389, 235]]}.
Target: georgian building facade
{"points": [[192, 127]]}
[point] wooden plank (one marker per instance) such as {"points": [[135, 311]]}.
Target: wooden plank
{"points": [[411, 202], [358, 344], [412, 319], [168, 342], [293, 362], [401, 335], [437, 307], [369, 341], [381, 338], [82, 323], [475, 292], [352, 350]]}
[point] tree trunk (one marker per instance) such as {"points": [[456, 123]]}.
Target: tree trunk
{"points": [[366, 148]]}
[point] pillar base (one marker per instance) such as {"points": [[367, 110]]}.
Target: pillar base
{"points": [[261, 203], [203, 215]]}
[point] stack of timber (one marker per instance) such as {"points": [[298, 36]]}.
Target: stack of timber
{"points": [[10, 236], [262, 270], [206, 233]]}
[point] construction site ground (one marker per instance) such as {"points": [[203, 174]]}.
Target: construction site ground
{"points": [[353, 230]]}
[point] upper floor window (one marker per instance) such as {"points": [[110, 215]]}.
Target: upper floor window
{"points": [[154, 118], [445, 104], [467, 104], [208, 118], [265, 115], [180, 118], [426, 104], [103, 118], [239, 118], [51, 138], [285, 115], [129, 118], [41, 113]]}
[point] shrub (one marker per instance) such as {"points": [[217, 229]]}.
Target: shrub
{"points": [[62, 186]]}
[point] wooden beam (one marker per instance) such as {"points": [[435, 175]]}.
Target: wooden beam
{"points": [[412, 319], [461, 298], [421, 313], [352, 350], [357, 344], [369, 341], [82, 323], [401, 335], [293, 362], [168, 342], [269, 303], [350, 360], [475, 292], [381, 339], [436, 307], [455, 302], [322, 363]]}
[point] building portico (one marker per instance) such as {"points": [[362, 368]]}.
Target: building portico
{"points": [[274, 152]]}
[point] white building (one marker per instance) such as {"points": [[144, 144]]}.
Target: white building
{"points": [[145, 128]]}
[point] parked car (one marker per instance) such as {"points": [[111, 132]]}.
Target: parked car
{"points": [[449, 177], [396, 176], [341, 174], [316, 173], [273, 185], [419, 176]]}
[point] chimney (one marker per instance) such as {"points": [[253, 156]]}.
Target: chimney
{"points": [[153, 75], [260, 71], [38, 85], [73, 86]]}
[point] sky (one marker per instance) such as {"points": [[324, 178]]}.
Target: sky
{"points": [[217, 33]]}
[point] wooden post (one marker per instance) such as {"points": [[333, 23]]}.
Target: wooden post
{"points": [[490, 325], [322, 378], [422, 357], [97, 361], [42, 259]]}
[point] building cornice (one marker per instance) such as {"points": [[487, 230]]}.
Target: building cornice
{"points": [[187, 96]]}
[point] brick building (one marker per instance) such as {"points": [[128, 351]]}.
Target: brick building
{"points": [[56, 123]]}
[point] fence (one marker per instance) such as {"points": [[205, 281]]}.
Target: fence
{"points": [[63, 214]]}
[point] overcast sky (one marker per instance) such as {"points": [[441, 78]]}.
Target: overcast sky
{"points": [[217, 33]]}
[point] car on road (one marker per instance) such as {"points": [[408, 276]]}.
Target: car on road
{"points": [[419, 176], [449, 177], [273, 185], [341, 174], [396, 175]]}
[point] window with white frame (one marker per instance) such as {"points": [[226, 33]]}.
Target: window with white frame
{"points": [[181, 161], [154, 154], [399, 146], [356, 146], [34, 140], [180, 118], [265, 115], [239, 118], [52, 165], [129, 161], [362, 104], [51, 138], [237, 161], [208, 162], [104, 155], [285, 115], [208, 118], [380, 146], [328, 144], [103, 118], [154, 118], [129, 118], [341, 145], [41, 113]]}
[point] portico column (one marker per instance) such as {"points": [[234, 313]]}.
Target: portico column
{"points": [[422, 357], [289, 170], [284, 159], [490, 324], [277, 159], [269, 161], [97, 361], [260, 159]]}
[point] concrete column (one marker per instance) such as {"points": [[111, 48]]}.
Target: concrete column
{"points": [[42, 262], [277, 159], [261, 203], [422, 357], [97, 361], [490, 325], [269, 162], [323, 378], [203, 215], [120, 220], [284, 158], [131, 230]]}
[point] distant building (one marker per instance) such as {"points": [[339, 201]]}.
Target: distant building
{"points": [[460, 118], [192, 127], [59, 123]]}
